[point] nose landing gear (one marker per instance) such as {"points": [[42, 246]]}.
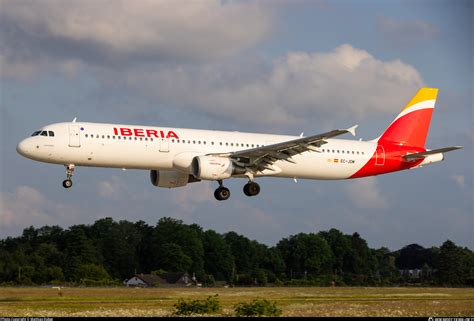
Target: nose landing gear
{"points": [[67, 183]]}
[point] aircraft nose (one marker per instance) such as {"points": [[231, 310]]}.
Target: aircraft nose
{"points": [[22, 148]]}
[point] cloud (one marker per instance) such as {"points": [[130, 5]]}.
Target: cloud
{"points": [[111, 32], [27, 206], [365, 194], [188, 198], [297, 88], [111, 189], [459, 180], [406, 32]]}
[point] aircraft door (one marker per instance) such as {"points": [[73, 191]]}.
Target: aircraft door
{"points": [[380, 156], [74, 136], [164, 145]]}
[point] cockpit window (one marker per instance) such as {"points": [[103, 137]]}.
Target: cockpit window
{"points": [[51, 133], [44, 133], [36, 133]]}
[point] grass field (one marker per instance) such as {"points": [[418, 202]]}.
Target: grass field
{"points": [[427, 302]]}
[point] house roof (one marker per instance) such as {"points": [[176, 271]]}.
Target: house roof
{"points": [[150, 279]]}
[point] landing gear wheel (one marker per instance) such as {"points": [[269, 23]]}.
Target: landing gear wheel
{"points": [[222, 193], [251, 189], [67, 183]]}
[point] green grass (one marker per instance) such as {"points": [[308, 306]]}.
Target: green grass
{"points": [[357, 301]]}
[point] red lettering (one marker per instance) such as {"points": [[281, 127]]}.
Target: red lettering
{"points": [[172, 134], [151, 132], [125, 132], [139, 132]]}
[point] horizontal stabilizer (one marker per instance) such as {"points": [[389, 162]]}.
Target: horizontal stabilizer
{"points": [[422, 155]]}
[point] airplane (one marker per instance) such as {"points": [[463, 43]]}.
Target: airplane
{"points": [[178, 156]]}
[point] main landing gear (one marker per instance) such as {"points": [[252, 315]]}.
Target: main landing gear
{"points": [[222, 193], [67, 183]]}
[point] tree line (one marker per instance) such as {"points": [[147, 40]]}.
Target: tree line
{"points": [[107, 252]]}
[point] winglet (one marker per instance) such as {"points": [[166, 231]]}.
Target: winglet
{"points": [[74, 120], [352, 130]]}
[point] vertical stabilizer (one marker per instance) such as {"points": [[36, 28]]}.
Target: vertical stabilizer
{"points": [[412, 124]]}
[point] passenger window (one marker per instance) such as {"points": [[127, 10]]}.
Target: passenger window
{"points": [[135, 138], [362, 153], [113, 137], [220, 143], [108, 136], [87, 135], [247, 145], [120, 137], [141, 138], [151, 139], [199, 142], [103, 136]]}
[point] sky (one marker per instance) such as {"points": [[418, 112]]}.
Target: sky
{"points": [[282, 67]]}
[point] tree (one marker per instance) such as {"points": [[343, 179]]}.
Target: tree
{"points": [[306, 253], [218, 259], [451, 270], [170, 230], [173, 259]]}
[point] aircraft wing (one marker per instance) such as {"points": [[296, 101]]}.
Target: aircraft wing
{"points": [[261, 158], [422, 155]]}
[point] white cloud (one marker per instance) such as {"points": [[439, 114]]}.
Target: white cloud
{"points": [[111, 189], [297, 88], [365, 194], [120, 32], [459, 180], [27, 206]]}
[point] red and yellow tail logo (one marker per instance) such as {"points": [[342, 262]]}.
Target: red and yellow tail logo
{"points": [[412, 124]]}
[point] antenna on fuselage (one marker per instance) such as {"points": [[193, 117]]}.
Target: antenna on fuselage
{"points": [[74, 120]]}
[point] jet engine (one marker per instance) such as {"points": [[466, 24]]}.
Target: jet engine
{"points": [[214, 168], [170, 179]]}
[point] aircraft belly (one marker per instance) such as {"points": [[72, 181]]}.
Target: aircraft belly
{"points": [[114, 155]]}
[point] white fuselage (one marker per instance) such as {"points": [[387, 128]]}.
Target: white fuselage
{"points": [[159, 148]]}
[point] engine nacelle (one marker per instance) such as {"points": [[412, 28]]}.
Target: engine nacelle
{"points": [[170, 179], [214, 168]]}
